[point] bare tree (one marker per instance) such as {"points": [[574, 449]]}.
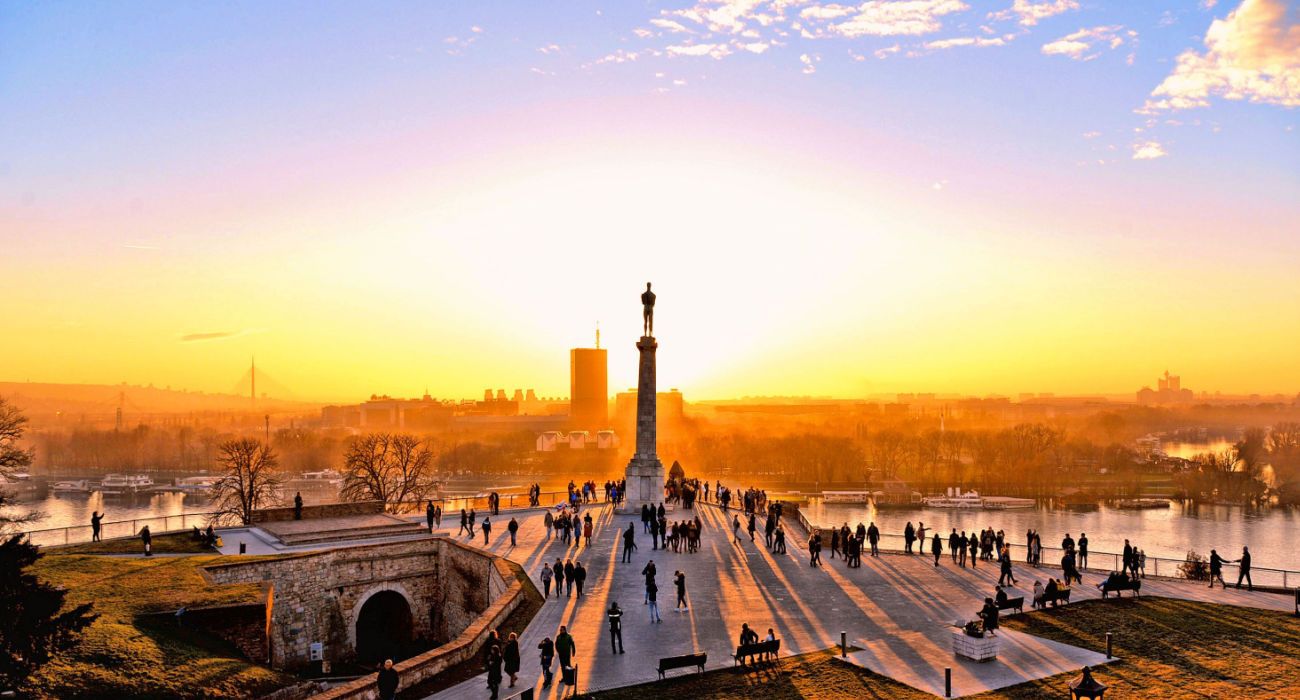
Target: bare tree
{"points": [[13, 458], [251, 478], [388, 467], [889, 451]]}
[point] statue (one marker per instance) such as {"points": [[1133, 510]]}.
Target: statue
{"points": [[648, 311]]}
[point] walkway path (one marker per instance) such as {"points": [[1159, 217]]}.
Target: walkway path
{"points": [[897, 607]]}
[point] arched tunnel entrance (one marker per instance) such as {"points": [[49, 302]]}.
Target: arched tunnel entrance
{"points": [[384, 627]]}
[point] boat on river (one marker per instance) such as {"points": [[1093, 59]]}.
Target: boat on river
{"points": [[73, 487], [1142, 503], [125, 484], [846, 496], [955, 498]]}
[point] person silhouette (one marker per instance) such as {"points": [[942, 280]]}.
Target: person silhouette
{"points": [[648, 311]]}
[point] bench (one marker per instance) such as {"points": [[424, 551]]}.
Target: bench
{"points": [[760, 649], [684, 661], [1017, 604], [1119, 587], [1062, 595]]}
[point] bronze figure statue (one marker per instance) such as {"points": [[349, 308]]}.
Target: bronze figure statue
{"points": [[648, 311]]}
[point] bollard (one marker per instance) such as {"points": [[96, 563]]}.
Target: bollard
{"points": [[947, 682], [844, 644], [1108, 640], [243, 547]]}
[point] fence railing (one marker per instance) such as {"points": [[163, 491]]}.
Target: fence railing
{"points": [[479, 504], [1097, 562], [75, 534]]}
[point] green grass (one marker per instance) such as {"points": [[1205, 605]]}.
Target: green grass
{"points": [[1166, 648], [122, 656], [171, 543]]}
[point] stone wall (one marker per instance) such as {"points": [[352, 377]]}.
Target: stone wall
{"points": [[244, 626], [324, 510], [317, 596], [507, 592]]}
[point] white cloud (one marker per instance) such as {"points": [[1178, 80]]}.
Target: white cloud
{"points": [[809, 63], [643, 33], [1079, 45], [1029, 13], [476, 29], [549, 49], [896, 18], [670, 25], [826, 11], [1252, 54], [1208, 4], [755, 47], [887, 51], [1148, 150], [711, 50], [1091, 134], [977, 41]]}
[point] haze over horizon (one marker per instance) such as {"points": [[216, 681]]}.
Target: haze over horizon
{"points": [[937, 195]]}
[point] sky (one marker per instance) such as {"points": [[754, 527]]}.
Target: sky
{"points": [[830, 199]]}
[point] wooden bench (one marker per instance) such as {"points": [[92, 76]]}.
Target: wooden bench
{"points": [[684, 661], [1119, 587], [1017, 604], [760, 649], [1062, 594]]}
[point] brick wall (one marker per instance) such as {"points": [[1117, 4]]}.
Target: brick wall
{"points": [[324, 510]]}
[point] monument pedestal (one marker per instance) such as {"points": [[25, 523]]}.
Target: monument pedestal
{"points": [[645, 473]]}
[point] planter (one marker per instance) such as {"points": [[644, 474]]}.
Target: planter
{"points": [[975, 648]]}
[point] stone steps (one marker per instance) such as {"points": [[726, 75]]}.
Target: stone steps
{"points": [[394, 529]]}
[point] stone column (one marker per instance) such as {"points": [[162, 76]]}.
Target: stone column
{"points": [[645, 473]]}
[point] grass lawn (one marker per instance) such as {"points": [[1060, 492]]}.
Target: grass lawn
{"points": [[515, 622], [1167, 649], [171, 543], [119, 657]]}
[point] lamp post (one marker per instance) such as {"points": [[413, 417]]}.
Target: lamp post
{"points": [[1085, 686]]}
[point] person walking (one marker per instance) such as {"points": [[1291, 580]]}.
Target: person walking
{"points": [[487, 530], [146, 538], [735, 529], [780, 539], [565, 648], [547, 575], [1243, 572], [387, 681], [952, 545], [815, 549], [1216, 569], [558, 570], [428, 516], [936, 547], [1083, 550], [96, 524], [1004, 559], [472, 519], [510, 658], [513, 528], [753, 527], [835, 542], [569, 578], [579, 576], [615, 616], [546, 655], [494, 670], [629, 543], [679, 579], [974, 543], [464, 523], [649, 573], [548, 521]]}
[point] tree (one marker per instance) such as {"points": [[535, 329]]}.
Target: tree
{"points": [[13, 458], [251, 478], [31, 627], [388, 467]]}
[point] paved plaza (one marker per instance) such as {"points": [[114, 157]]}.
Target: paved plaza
{"points": [[898, 609]]}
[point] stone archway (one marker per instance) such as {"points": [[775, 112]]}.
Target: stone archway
{"points": [[382, 624]]}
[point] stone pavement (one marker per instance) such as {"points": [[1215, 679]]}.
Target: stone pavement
{"points": [[899, 608]]}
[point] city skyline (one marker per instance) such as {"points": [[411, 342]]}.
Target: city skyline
{"points": [[832, 200]]}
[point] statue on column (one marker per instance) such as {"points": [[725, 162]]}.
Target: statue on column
{"points": [[648, 311]]}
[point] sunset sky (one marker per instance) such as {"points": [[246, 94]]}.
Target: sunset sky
{"points": [[831, 199]]}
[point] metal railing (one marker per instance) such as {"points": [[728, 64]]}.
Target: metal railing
{"points": [[75, 534], [479, 504], [1098, 562]]}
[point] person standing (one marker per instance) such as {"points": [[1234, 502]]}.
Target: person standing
{"points": [[909, 536], [952, 545], [547, 575], [753, 527], [569, 577], [146, 538], [936, 547], [963, 543], [510, 658], [679, 579], [387, 681], [652, 599], [835, 542], [545, 655], [780, 539], [1083, 550], [873, 536], [428, 516], [464, 524], [629, 543], [548, 520], [297, 506], [1244, 571], [920, 535], [649, 573], [974, 549], [96, 524], [815, 549], [1004, 559], [565, 648], [587, 528], [1129, 566], [472, 518], [513, 528], [615, 615], [487, 530], [437, 515], [735, 529]]}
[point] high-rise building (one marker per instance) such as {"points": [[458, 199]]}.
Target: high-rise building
{"points": [[588, 388]]}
